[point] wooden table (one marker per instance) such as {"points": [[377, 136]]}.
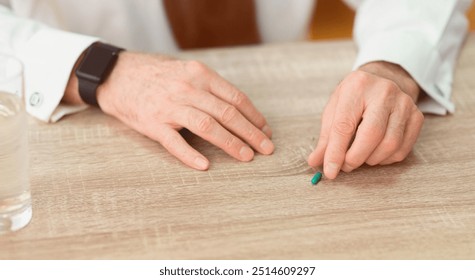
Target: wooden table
{"points": [[102, 191]]}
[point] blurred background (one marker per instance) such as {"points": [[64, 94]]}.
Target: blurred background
{"points": [[334, 20]]}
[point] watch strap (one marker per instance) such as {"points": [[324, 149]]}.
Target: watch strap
{"points": [[88, 88], [109, 47], [88, 92]]}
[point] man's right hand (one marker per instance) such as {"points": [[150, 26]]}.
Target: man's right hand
{"points": [[158, 96]]}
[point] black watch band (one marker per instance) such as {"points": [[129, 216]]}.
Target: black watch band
{"points": [[94, 69], [88, 92]]}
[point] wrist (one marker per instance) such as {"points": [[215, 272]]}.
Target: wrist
{"points": [[71, 93], [119, 89], [395, 73], [105, 91], [94, 68]]}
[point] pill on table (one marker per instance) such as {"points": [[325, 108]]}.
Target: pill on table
{"points": [[316, 178]]}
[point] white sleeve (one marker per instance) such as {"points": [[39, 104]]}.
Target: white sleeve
{"points": [[48, 56], [422, 36]]}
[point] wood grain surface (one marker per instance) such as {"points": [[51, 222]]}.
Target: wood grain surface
{"points": [[102, 191]]}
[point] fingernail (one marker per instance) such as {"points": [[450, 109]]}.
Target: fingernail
{"points": [[267, 146], [331, 169], [246, 153], [201, 163], [267, 131]]}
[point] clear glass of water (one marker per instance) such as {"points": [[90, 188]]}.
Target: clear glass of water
{"points": [[15, 199]]}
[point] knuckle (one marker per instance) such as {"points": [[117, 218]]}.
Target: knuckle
{"points": [[205, 124], [371, 162], [391, 86], [375, 129], [360, 77], [391, 144], [419, 116], [352, 163], [356, 82], [251, 134], [388, 90], [345, 128], [407, 102], [181, 87], [388, 97], [399, 156], [229, 113], [324, 136], [196, 67], [230, 142], [388, 93], [238, 99]]}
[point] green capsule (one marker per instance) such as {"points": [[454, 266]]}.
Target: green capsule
{"points": [[316, 178]]}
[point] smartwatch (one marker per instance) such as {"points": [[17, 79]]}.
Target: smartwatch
{"points": [[94, 69]]}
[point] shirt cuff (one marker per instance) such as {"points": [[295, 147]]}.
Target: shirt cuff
{"points": [[49, 57], [420, 59]]}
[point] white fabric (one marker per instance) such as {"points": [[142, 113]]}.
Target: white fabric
{"points": [[423, 36]]}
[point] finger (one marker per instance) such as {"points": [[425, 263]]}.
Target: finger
{"points": [[369, 134], [231, 119], [392, 139], [315, 158], [229, 93], [413, 128], [174, 143], [209, 129], [267, 131], [347, 116]]}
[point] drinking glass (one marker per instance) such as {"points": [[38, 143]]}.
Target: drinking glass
{"points": [[15, 199]]}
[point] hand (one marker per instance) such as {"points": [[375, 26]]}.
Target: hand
{"points": [[375, 106], [158, 96]]}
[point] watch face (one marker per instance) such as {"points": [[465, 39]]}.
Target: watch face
{"points": [[96, 63]]}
